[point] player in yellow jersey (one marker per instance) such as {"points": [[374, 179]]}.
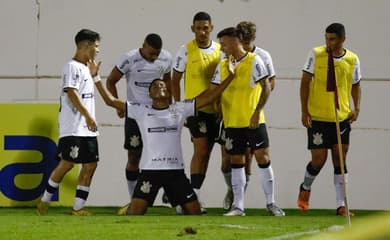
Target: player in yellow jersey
{"points": [[242, 106], [195, 62], [248, 30], [318, 110]]}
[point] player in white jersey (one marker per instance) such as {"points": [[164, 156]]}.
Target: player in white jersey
{"points": [[77, 124], [140, 67], [162, 164]]}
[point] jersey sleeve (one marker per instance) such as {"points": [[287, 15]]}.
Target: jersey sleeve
{"points": [[269, 65], [133, 110], [188, 108], [217, 75], [71, 76], [309, 64], [124, 63], [259, 72], [357, 75], [180, 61]]}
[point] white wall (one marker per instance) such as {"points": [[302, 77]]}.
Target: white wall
{"points": [[288, 29]]}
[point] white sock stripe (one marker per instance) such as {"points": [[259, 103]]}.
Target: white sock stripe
{"points": [[52, 183], [84, 188]]}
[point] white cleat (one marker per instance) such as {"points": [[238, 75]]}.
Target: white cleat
{"points": [[235, 212], [275, 210]]}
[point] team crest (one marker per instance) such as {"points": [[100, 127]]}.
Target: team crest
{"points": [[228, 143], [134, 141], [202, 127], [74, 152], [317, 139], [145, 188]]}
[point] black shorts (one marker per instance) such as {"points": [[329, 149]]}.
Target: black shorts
{"points": [[78, 149], [175, 183], [238, 139], [133, 140], [324, 135], [203, 125]]}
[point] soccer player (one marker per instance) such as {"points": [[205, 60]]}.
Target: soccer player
{"points": [[318, 110], [248, 30], [242, 109], [140, 67], [77, 124], [162, 164], [196, 61]]}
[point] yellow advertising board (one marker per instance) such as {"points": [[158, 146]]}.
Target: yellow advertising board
{"points": [[28, 154]]}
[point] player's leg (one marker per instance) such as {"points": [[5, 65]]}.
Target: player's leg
{"points": [[318, 144], [65, 147], [235, 145], [88, 156], [248, 164], [227, 175], [259, 142], [145, 192], [133, 144], [337, 178], [180, 192]]}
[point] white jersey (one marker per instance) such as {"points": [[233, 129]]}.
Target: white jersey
{"points": [[267, 59], [181, 56], [310, 61], [161, 133], [140, 73], [71, 122]]}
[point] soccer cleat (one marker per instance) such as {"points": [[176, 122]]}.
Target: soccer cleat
{"points": [[275, 210], [203, 210], [123, 210], [303, 198], [235, 212], [81, 212], [42, 208], [179, 210], [341, 211], [228, 200]]}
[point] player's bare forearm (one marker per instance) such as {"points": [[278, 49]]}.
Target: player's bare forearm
{"points": [[176, 78], [272, 82], [356, 95], [108, 98], [304, 95], [112, 80], [265, 92]]}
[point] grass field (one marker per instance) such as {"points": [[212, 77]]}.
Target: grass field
{"points": [[163, 223]]}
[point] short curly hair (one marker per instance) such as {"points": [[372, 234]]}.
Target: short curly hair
{"points": [[248, 30]]}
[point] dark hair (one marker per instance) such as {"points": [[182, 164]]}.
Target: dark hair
{"points": [[336, 28], [248, 30], [154, 40], [201, 16], [154, 80], [86, 35], [230, 32]]}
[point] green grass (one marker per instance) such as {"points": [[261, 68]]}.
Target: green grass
{"points": [[163, 223]]}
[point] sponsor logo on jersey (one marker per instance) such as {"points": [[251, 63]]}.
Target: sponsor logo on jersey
{"points": [[123, 65], [142, 84], [163, 129], [87, 95], [258, 69], [165, 159]]}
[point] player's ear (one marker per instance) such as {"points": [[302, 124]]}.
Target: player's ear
{"points": [[193, 28], [211, 27]]}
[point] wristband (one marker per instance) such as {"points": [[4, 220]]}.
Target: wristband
{"points": [[97, 78]]}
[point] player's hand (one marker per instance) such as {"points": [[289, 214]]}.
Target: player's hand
{"points": [[353, 116], [91, 124], [232, 65], [93, 67], [254, 122], [306, 120], [120, 113]]}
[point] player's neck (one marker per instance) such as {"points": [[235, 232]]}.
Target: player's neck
{"points": [[338, 52], [239, 53], [160, 104], [204, 44], [80, 58]]}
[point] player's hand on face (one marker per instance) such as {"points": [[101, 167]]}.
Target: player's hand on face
{"points": [[254, 122], [92, 124], [94, 67], [120, 113], [232, 65], [306, 120]]}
